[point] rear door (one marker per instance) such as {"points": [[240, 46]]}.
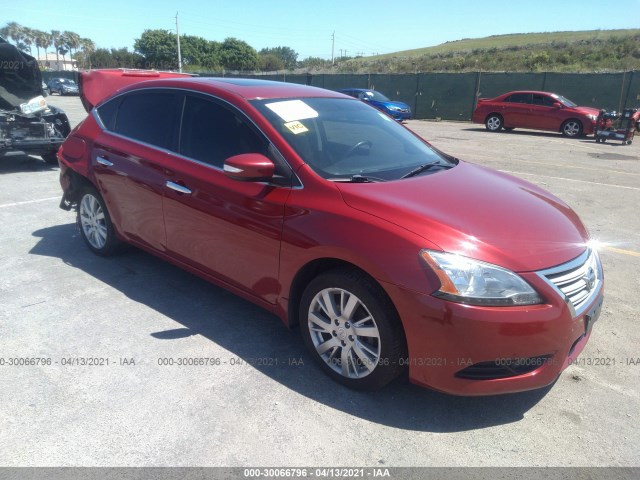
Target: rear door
{"points": [[517, 110], [130, 159], [227, 228]]}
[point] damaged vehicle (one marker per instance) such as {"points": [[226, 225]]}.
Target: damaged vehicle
{"points": [[388, 254], [27, 123]]}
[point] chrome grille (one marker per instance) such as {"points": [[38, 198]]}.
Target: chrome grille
{"points": [[577, 281]]}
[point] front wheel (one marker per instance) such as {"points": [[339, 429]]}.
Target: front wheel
{"points": [[50, 157], [571, 128], [95, 223], [352, 329], [493, 122]]}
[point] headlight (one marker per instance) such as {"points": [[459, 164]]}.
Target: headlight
{"points": [[393, 108], [465, 280], [592, 117]]}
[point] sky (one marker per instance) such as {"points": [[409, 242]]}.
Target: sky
{"points": [[359, 27]]}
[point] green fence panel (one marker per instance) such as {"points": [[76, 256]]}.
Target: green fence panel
{"points": [[632, 95], [449, 96], [493, 84], [301, 79], [396, 87], [336, 82], [599, 90], [452, 96]]}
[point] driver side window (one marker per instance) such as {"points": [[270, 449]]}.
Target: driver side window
{"points": [[211, 133]]}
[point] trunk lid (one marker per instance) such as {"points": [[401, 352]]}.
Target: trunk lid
{"points": [[97, 85]]}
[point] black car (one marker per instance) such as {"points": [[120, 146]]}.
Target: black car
{"points": [[27, 123], [63, 86]]}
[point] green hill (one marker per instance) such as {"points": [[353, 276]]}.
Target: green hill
{"points": [[583, 51]]}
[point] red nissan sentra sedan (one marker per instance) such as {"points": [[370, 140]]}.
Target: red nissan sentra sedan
{"points": [[388, 253], [537, 111]]}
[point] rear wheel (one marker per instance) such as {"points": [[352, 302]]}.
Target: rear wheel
{"points": [[352, 329], [493, 122], [571, 128], [95, 223]]}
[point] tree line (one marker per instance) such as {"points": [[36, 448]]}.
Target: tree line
{"points": [[157, 49]]}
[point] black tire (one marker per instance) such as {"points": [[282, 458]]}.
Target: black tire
{"points": [[95, 223], [50, 158], [60, 92], [370, 338], [494, 122], [572, 128]]}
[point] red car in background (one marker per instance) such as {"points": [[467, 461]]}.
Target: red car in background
{"points": [[536, 111], [387, 253]]}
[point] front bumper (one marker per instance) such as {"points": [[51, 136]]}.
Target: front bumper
{"points": [[33, 146], [471, 350]]}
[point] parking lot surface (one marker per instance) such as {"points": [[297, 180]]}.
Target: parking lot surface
{"points": [[129, 361]]}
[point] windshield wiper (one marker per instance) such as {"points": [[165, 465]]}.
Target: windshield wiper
{"points": [[423, 168], [357, 179]]}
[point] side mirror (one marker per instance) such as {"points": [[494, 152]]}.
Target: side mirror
{"points": [[557, 105], [249, 167]]}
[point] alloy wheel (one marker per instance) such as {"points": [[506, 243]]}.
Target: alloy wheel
{"points": [[93, 222], [344, 333]]}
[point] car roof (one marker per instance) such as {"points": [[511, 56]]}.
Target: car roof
{"points": [[537, 92], [355, 90], [249, 89]]}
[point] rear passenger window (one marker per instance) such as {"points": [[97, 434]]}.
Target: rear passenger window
{"points": [[211, 133], [519, 98], [150, 117]]}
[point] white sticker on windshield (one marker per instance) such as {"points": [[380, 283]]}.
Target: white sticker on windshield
{"points": [[296, 127], [292, 110]]}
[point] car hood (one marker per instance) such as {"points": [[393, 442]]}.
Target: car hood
{"points": [[392, 103], [97, 85], [20, 83], [477, 212]]}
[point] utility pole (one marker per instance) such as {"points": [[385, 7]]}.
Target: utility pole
{"points": [[333, 44], [178, 37]]}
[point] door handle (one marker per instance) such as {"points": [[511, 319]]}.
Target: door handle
{"points": [[178, 188], [104, 161]]}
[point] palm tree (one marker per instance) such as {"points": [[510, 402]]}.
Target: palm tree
{"points": [[12, 30], [72, 42], [43, 40], [55, 41], [28, 38], [88, 47]]}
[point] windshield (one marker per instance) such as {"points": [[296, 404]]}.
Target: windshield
{"points": [[565, 101], [340, 138], [377, 96], [66, 81]]}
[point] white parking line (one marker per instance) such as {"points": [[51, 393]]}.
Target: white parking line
{"points": [[597, 169], [571, 180], [15, 204]]}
